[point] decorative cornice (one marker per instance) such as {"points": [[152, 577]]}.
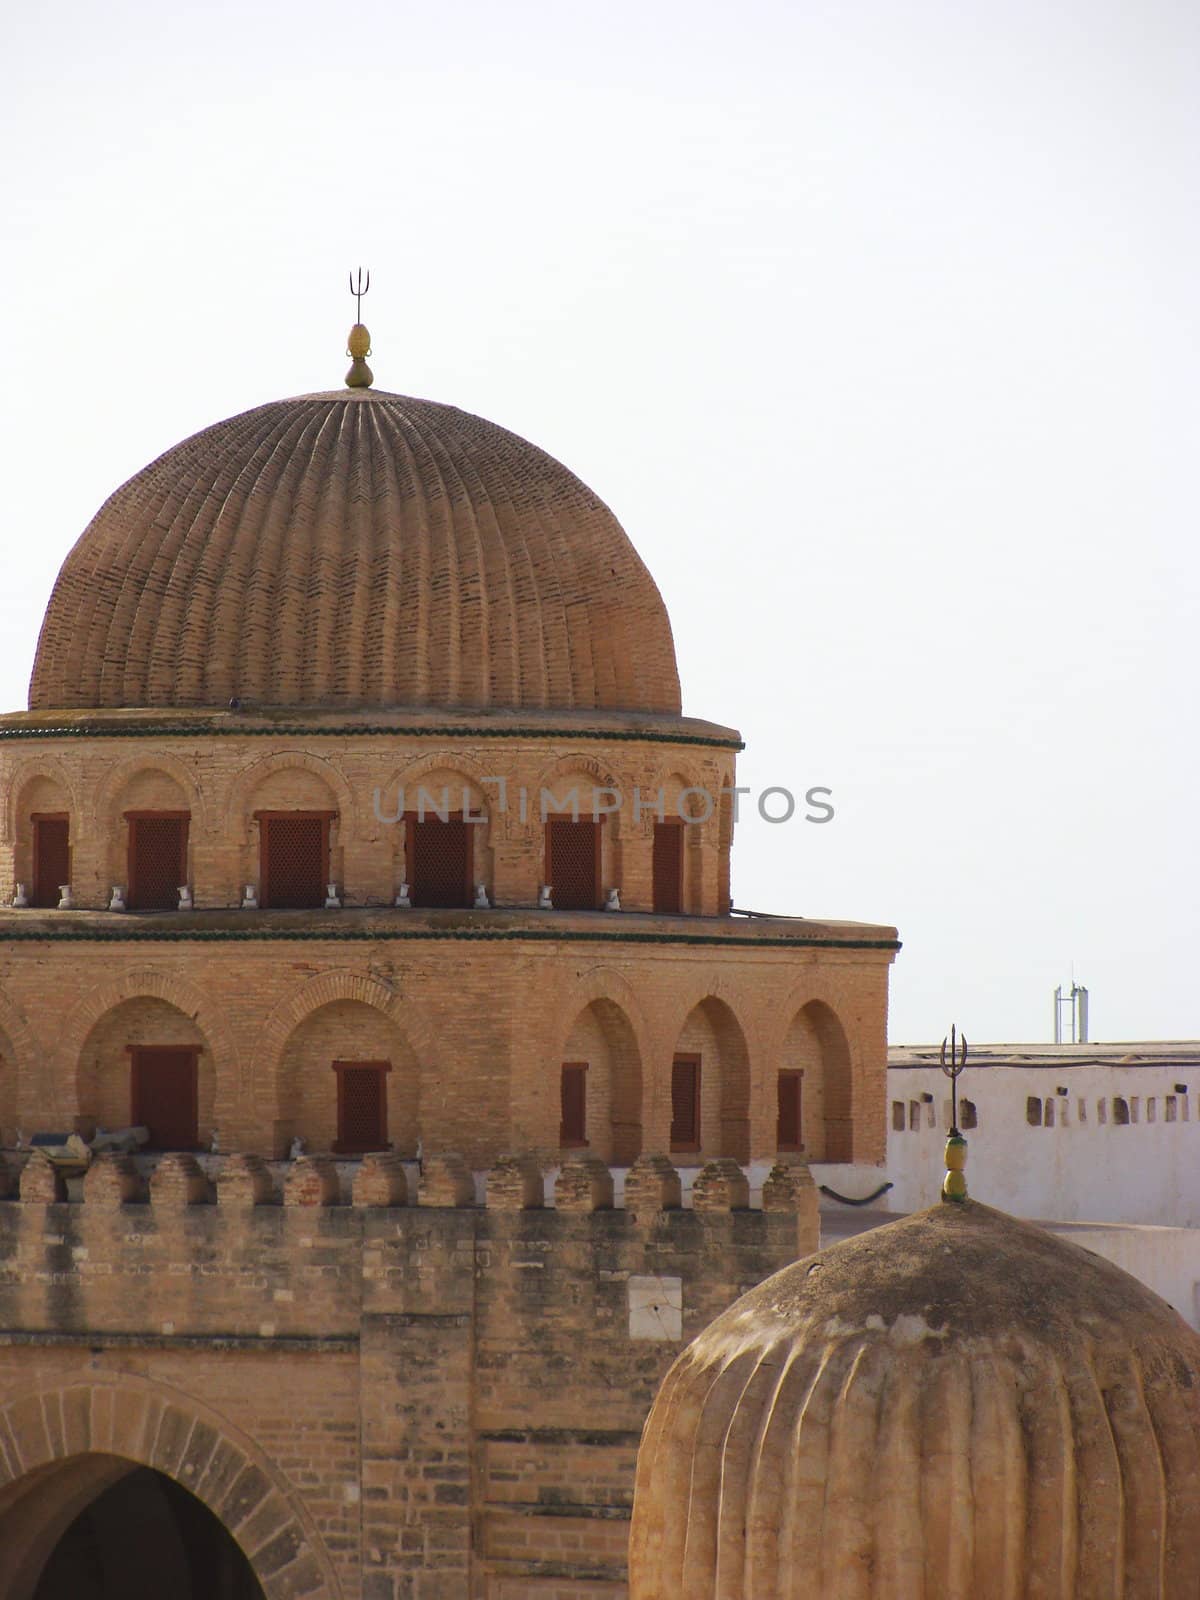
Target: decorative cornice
{"points": [[355, 730], [133, 935]]}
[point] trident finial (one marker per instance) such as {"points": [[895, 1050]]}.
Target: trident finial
{"points": [[954, 1184], [953, 1069], [359, 346], [358, 290]]}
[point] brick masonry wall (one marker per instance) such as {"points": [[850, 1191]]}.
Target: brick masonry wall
{"points": [[223, 781], [476, 1034], [407, 1403]]}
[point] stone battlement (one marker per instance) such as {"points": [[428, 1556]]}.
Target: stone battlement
{"points": [[382, 1179], [511, 1349]]}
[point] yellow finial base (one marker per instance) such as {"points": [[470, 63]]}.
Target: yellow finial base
{"points": [[954, 1184], [358, 347]]}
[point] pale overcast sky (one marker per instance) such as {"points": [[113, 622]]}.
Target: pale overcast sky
{"points": [[876, 324]]}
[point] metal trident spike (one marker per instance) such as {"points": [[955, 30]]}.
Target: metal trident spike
{"points": [[953, 1069], [358, 290]]}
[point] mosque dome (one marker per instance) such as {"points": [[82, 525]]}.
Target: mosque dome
{"points": [[954, 1404], [356, 549]]}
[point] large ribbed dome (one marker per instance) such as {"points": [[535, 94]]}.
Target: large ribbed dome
{"points": [[355, 549], [956, 1404]]}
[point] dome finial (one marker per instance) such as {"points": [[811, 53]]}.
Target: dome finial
{"points": [[358, 346], [954, 1184]]}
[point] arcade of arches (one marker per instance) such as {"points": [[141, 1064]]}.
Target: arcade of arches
{"points": [[355, 1067]]}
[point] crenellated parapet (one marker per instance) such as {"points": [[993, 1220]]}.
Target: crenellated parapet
{"points": [[584, 1183], [245, 1180], [515, 1183], [446, 1181], [556, 1306], [652, 1185], [112, 1181], [721, 1186], [41, 1183], [381, 1180], [178, 1181]]}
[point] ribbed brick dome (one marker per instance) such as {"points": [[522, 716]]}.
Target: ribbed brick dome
{"points": [[355, 549]]}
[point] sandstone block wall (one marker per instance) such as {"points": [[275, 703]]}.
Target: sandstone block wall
{"points": [[406, 1402]]}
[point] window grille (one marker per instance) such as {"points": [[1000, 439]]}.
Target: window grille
{"points": [[573, 863], [788, 1130], [51, 859], [163, 1094], [361, 1106], [573, 1093], [685, 1103], [294, 859], [439, 861], [157, 860], [668, 867]]}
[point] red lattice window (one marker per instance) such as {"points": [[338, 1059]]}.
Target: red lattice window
{"points": [[573, 863], [163, 1094], [293, 858], [361, 1106], [439, 860], [51, 857], [685, 1103], [789, 1126], [157, 859], [573, 1094], [668, 867]]}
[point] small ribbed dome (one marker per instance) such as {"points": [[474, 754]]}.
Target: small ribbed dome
{"points": [[355, 549], [957, 1404]]}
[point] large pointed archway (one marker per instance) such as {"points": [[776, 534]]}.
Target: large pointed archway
{"points": [[140, 1536], [79, 1464]]}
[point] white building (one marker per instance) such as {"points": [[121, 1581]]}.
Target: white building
{"points": [[1101, 1141]]}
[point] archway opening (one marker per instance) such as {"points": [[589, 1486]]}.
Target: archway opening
{"points": [[146, 1062], [710, 1086], [601, 1055], [102, 1528], [350, 1082], [816, 1057]]}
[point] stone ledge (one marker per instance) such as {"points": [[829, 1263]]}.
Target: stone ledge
{"points": [[322, 1343]]}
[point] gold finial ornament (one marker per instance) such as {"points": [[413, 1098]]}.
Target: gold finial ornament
{"points": [[358, 346], [954, 1184]]}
